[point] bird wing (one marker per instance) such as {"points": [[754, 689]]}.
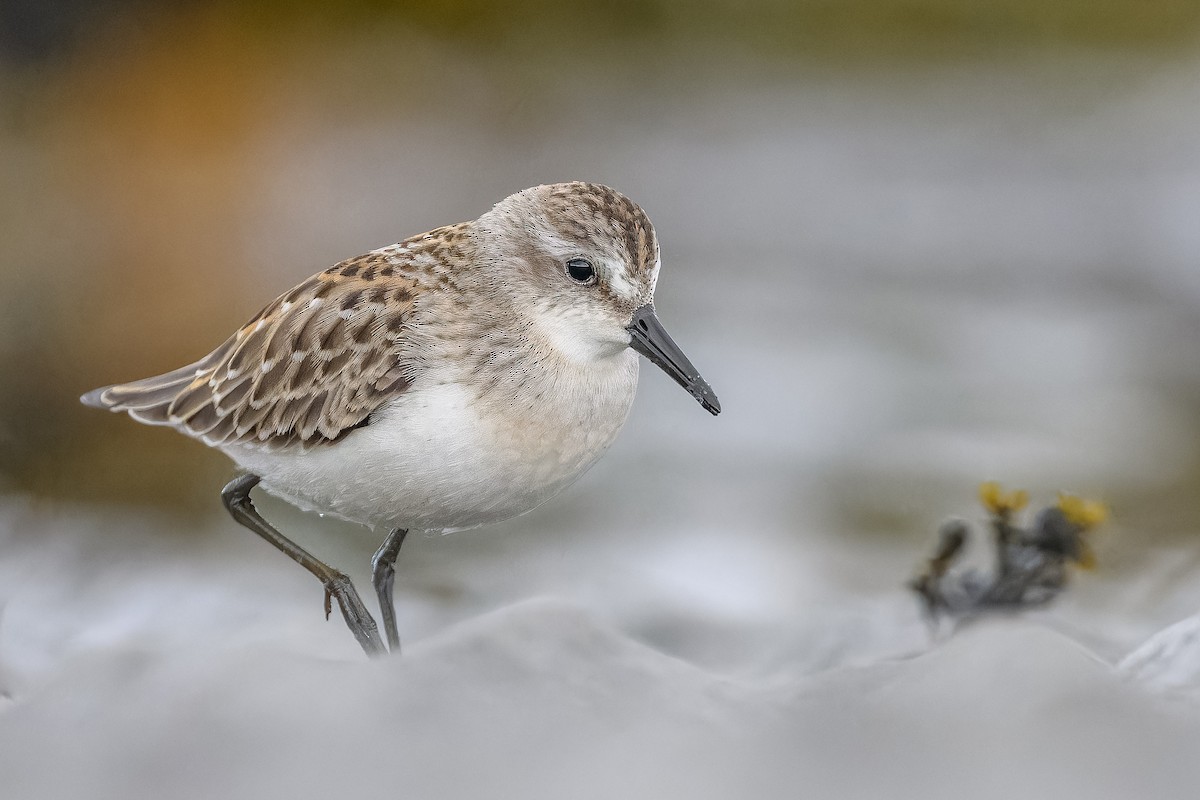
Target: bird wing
{"points": [[307, 369]]}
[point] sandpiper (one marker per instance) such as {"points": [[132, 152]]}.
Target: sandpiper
{"points": [[460, 377]]}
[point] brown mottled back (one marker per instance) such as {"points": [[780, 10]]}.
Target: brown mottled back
{"points": [[307, 368]]}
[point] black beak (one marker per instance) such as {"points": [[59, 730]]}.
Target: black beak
{"points": [[650, 338]]}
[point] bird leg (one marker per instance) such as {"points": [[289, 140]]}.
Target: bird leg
{"points": [[236, 497], [383, 575]]}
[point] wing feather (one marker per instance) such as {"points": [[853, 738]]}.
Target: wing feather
{"points": [[308, 368]]}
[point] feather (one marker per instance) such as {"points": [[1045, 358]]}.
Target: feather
{"points": [[308, 368]]}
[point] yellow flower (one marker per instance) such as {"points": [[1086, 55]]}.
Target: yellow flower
{"points": [[1086, 558], [1086, 514], [997, 501]]}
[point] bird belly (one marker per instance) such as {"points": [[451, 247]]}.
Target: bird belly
{"points": [[437, 458]]}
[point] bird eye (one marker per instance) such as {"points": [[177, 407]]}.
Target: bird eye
{"points": [[581, 271]]}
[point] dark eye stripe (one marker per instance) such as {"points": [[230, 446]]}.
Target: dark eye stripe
{"points": [[580, 270]]}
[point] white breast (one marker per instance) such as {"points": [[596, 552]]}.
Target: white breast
{"points": [[439, 458]]}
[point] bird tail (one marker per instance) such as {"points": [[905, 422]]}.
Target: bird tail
{"points": [[147, 400]]}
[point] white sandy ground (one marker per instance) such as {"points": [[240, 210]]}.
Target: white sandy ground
{"points": [[134, 665]]}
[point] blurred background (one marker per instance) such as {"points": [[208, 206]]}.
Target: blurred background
{"points": [[914, 244]]}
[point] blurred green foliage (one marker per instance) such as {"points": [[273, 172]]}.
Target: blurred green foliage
{"points": [[803, 28], [869, 30]]}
